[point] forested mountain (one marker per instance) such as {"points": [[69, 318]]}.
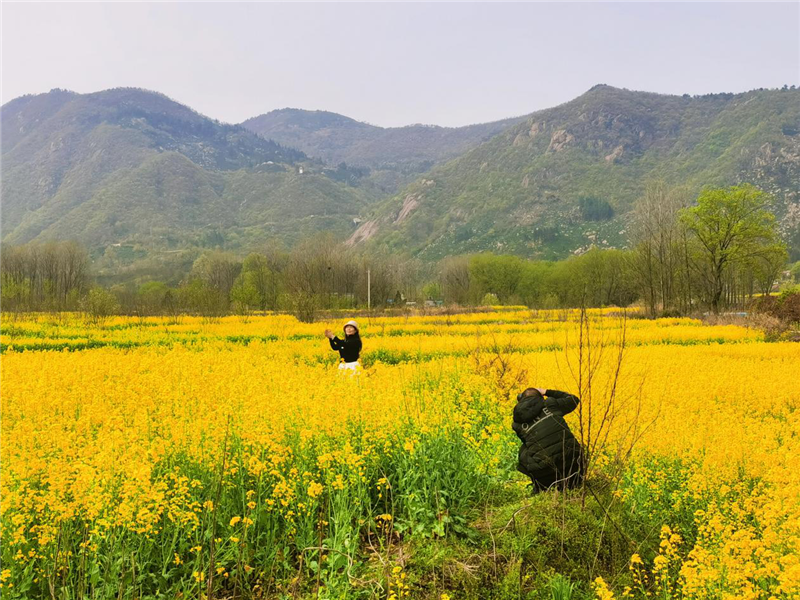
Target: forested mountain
{"points": [[141, 179], [132, 168], [394, 155], [567, 177]]}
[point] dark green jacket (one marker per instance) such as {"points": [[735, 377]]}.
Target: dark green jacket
{"points": [[549, 449]]}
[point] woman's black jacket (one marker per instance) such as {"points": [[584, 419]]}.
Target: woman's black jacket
{"points": [[549, 449], [349, 348]]}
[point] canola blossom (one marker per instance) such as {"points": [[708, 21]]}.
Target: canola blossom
{"points": [[176, 456]]}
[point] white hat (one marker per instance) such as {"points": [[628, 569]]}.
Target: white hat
{"points": [[353, 323]]}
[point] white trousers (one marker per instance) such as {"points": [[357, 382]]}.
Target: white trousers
{"points": [[351, 366]]}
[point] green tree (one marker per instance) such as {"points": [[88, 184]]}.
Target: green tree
{"points": [[794, 272], [263, 279], [729, 227], [151, 296], [244, 294], [218, 270], [498, 275], [196, 295], [768, 265], [98, 305], [536, 284], [432, 291], [14, 295]]}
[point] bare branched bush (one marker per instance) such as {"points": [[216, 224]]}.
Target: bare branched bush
{"points": [[609, 423]]}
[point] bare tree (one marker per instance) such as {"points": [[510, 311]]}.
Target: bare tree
{"points": [[658, 250], [595, 360], [309, 276], [218, 270], [454, 279], [74, 272], [51, 276]]}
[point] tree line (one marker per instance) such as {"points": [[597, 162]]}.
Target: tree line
{"points": [[714, 254]]}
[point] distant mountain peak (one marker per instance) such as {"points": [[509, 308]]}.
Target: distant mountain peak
{"points": [[311, 120], [601, 86], [395, 155]]}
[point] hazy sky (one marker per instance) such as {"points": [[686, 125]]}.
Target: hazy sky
{"points": [[395, 64]]}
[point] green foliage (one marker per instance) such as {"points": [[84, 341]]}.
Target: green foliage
{"points": [[391, 157], [153, 296], [596, 278], [143, 176], [15, 294], [432, 291], [732, 228], [794, 272], [595, 209], [202, 298], [147, 184], [562, 588], [262, 280], [244, 293], [495, 275], [490, 299], [99, 304], [546, 187]]}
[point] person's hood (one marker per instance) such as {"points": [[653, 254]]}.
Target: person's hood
{"points": [[354, 324], [528, 409]]}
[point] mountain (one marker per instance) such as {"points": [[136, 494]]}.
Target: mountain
{"points": [[395, 155], [141, 179], [566, 178], [128, 167]]}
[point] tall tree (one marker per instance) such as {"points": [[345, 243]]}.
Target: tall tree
{"points": [[499, 275], [730, 227], [218, 270], [454, 279], [658, 248]]}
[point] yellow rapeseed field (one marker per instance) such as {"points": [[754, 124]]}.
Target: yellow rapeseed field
{"points": [[158, 458]]}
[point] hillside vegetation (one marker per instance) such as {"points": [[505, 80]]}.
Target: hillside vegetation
{"points": [[127, 167], [395, 156], [139, 179], [567, 177]]}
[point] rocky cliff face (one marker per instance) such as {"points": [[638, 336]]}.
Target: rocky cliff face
{"points": [[775, 168]]}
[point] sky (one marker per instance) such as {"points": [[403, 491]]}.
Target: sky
{"points": [[394, 64]]}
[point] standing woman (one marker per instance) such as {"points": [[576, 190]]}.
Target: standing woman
{"points": [[349, 348]]}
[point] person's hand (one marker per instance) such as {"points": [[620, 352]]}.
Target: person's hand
{"points": [[542, 391], [329, 334]]}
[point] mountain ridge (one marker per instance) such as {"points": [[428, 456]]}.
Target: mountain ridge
{"points": [[521, 191], [395, 155], [132, 167]]}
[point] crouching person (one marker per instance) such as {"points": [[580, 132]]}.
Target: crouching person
{"points": [[550, 455]]}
